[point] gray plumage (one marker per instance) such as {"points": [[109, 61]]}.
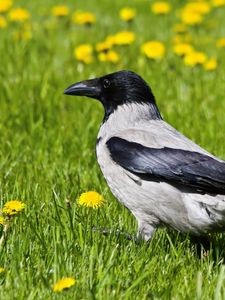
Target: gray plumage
{"points": [[161, 176]]}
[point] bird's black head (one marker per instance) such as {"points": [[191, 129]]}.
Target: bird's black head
{"points": [[115, 89]]}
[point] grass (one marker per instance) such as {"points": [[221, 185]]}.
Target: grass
{"points": [[47, 159]]}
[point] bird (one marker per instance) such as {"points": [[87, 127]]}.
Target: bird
{"points": [[162, 177]]}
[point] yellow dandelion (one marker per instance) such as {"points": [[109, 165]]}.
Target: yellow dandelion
{"points": [[111, 40], [218, 3], [124, 38], [91, 199], [220, 43], [5, 5], [2, 270], [182, 49], [211, 64], [200, 7], [60, 11], [110, 56], [1, 220], [103, 46], [19, 15], [191, 17], [84, 53], [180, 28], [161, 8], [153, 49], [13, 207], [127, 14], [64, 283], [195, 58], [83, 18], [3, 22]]}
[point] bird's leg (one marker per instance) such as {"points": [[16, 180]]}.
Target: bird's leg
{"points": [[145, 231]]}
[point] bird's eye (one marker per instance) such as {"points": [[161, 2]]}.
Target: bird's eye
{"points": [[106, 83]]}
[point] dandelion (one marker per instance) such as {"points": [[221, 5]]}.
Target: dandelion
{"points": [[91, 199], [60, 11], [2, 270], [64, 283], [110, 56], [211, 64], [153, 49], [1, 220], [3, 22], [83, 18], [84, 53], [13, 207], [218, 3], [195, 58], [200, 7], [124, 38], [111, 40], [103, 46], [5, 5], [182, 49], [161, 8], [19, 15], [127, 14], [220, 43], [191, 18]]}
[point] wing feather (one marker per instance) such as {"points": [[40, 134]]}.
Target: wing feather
{"points": [[197, 170]]}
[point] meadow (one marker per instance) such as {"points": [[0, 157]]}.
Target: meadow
{"points": [[47, 145]]}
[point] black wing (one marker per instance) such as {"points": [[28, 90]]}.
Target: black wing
{"points": [[191, 169]]}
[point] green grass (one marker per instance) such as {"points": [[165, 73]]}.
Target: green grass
{"points": [[47, 158]]}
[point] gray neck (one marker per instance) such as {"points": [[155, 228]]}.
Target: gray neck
{"points": [[129, 115]]}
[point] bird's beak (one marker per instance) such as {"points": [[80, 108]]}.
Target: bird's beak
{"points": [[87, 88]]}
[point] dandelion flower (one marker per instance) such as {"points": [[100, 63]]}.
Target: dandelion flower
{"points": [[182, 49], [218, 3], [1, 220], [83, 18], [60, 11], [2, 270], [195, 58], [110, 56], [91, 199], [5, 5], [127, 14], [103, 46], [211, 64], [161, 8], [64, 283], [220, 43], [3, 22], [13, 207], [124, 38], [200, 7], [84, 53], [153, 49], [19, 15], [191, 17], [111, 40]]}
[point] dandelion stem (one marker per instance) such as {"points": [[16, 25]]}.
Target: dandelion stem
{"points": [[4, 234]]}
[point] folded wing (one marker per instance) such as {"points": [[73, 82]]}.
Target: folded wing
{"points": [[191, 169]]}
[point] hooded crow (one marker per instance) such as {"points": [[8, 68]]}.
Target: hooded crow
{"points": [[161, 176]]}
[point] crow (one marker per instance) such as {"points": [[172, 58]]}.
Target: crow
{"points": [[160, 175]]}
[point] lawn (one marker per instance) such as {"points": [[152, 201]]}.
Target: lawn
{"points": [[47, 152]]}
